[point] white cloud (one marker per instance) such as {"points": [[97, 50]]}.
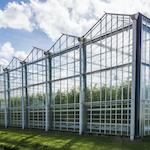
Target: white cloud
{"points": [[65, 16], [7, 52], [21, 55], [4, 62], [62, 16], [76, 16], [122, 6], [16, 16], [52, 17]]}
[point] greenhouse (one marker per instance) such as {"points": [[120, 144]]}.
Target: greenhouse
{"points": [[98, 83]]}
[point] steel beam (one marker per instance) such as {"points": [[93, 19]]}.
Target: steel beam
{"points": [[22, 98], [48, 108], [27, 96], [82, 119], [107, 35], [7, 97], [136, 77]]}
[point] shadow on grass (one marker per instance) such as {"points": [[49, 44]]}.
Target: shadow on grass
{"points": [[40, 140]]}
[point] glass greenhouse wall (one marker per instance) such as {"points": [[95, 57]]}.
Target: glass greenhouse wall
{"points": [[145, 77], [98, 83]]}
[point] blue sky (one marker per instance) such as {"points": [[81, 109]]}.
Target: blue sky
{"points": [[27, 23], [3, 3], [23, 40]]}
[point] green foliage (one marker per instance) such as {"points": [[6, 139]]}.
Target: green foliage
{"points": [[37, 99], [34, 100], [104, 93], [1, 102], [15, 101], [63, 97]]}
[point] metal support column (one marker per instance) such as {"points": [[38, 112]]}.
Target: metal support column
{"points": [[24, 100], [136, 76], [26, 95], [22, 97], [48, 92], [7, 97], [82, 116]]}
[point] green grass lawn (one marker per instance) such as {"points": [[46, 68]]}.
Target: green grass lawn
{"points": [[40, 140]]}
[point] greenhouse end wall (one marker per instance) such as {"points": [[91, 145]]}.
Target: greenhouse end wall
{"points": [[88, 84], [145, 77]]}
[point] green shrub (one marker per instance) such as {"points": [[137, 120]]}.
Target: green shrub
{"points": [[95, 93]]}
